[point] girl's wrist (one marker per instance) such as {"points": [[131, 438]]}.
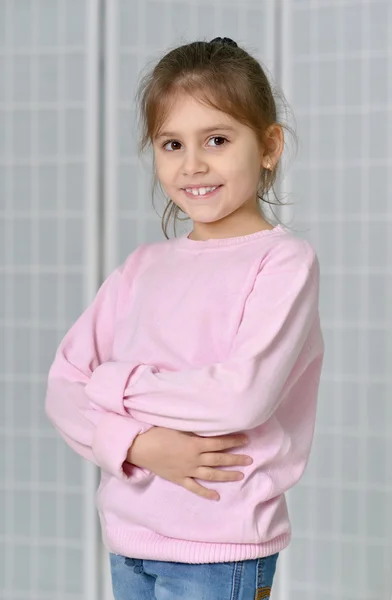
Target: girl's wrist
{"points": [[137, 452]]}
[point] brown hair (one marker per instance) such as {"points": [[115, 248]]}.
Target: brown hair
{"points": [[222, 75]]}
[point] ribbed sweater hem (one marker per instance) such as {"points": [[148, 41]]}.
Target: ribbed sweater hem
{"points": [[151, 546]]}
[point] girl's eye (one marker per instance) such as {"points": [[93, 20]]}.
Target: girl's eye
{"points": [[218, 140], [171, 145]]}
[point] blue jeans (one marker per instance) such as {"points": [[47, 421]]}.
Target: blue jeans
{"points": [[135, 579]]}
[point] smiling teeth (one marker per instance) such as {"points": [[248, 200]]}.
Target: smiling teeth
{"points": [[200, 191]]}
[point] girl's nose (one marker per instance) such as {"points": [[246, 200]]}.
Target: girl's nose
{"points": [[194, 163]]}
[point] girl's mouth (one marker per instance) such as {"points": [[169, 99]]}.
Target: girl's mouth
{"points": [[196, 193]]}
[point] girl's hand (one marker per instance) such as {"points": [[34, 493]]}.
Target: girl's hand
{"points": [[181, 457]]}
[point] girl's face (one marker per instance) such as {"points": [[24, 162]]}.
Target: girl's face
{"points": [[207, 162]]}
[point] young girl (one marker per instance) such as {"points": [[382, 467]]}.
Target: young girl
{"points": [[192, 379]]}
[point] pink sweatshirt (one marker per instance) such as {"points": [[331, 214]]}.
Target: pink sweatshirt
{"points": [[210, 337]]}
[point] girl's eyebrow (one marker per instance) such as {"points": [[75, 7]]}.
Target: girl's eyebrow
{"points": [[218, 127]]}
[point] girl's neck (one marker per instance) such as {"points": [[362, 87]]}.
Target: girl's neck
{"points": [[234, 225]]}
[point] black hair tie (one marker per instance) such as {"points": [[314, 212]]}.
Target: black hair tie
{"points": [[226, 41]]}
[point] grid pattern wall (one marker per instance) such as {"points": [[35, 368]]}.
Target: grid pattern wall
{"points": [[46, 277], [337, 72]]}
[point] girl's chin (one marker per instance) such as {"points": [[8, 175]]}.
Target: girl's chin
{"points": [[198, 217], [203, 213]]}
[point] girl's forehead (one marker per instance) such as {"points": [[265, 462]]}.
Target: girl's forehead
{"points": [[183, 108]]}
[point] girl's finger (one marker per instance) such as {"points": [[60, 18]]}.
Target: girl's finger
{"points": [[218, 444], [193, 486], [224, 459], [208, 474]]}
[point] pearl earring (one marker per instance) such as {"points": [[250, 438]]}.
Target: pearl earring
{"points": [[268, 166]]}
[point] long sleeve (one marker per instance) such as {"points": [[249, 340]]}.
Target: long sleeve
{"points": [[244, 391], [99, 435]]}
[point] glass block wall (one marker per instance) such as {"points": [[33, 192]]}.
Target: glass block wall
{"points": [[48, 271], [337, 72]]}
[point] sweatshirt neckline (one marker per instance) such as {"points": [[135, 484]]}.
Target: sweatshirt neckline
{"points": [[186, 242]]}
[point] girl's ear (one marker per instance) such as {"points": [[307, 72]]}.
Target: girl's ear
{"points": [[273, 147]]}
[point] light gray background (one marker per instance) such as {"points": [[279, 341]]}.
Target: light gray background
{"points": [[60, 232]]}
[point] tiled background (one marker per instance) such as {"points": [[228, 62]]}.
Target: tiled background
{"points": [[65, 223], [48, 271]]}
